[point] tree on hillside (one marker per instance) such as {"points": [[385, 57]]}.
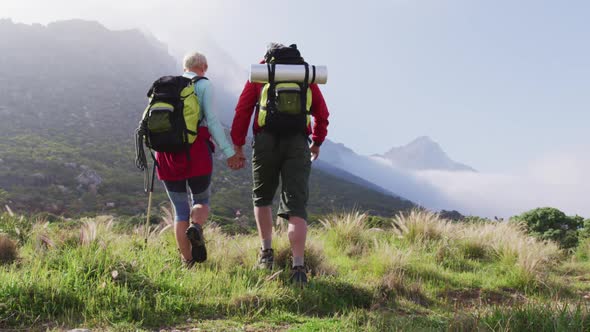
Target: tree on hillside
{"points": [[584, 232], [551, 224]]}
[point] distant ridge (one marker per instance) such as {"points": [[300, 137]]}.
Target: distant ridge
{"points": [[422, 153]]}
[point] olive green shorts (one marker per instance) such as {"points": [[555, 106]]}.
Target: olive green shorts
{"points": [[284, 158]]}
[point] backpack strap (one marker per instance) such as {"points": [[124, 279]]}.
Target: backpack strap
{"points": [[195, 80], [304, 87], [271, 98], [198, 78]]}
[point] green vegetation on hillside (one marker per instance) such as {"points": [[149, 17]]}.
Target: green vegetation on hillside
{"points": [[419, 273], [40, 173], [552, 224]]}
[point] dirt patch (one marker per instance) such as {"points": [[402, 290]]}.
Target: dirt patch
{"points": [[466, 298]]}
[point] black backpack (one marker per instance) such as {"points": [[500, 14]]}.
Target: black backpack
{"points": [[288, 55], [284, 106], [170, 120]]}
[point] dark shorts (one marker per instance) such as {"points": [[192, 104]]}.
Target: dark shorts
{"points": [[286, 159]]}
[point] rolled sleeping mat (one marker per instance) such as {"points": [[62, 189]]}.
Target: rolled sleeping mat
{"points": [[289, 73]]}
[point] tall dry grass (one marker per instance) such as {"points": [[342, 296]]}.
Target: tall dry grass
{"points": [[505, 241], [348, 231], [419, 226], [156, 231], [93, 229], [509, 241]]}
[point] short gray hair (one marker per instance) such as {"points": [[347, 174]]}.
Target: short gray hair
{"points": [[273, 45], [194, 59]]}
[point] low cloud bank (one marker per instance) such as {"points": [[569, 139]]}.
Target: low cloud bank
{"points": [[561, 180]]}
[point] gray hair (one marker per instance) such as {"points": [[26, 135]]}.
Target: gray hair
{"points": [[273, 45], [194, 59]]}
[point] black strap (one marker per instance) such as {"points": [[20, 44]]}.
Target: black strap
{"points": [[313, 75], [271, 98], [198, 78]]}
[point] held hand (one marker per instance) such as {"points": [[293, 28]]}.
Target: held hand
{"points": [[315, 151], [234, 162], [238, 160], [241, 156]]}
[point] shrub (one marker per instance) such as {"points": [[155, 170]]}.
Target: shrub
{"points": [[378, 222], [552, 224], [17, 227], [8, 250], [584, 232]]}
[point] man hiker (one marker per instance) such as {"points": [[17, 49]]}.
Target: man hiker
{"points": [[192, 169], [283, 153]]}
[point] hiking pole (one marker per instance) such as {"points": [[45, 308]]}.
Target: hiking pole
{"points": [[151, 190]]}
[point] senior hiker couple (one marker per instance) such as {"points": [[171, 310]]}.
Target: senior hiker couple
{"points": [[282, 150]]}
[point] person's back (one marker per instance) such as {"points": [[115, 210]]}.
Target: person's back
{"points": [[280, 157], [179, 170]]}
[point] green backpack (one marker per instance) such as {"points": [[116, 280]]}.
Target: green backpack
{"points": [[284, 107], [170, 121]]}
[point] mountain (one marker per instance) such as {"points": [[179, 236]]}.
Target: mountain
{"points": [[403, 182], [422, 154], [342, 174], [75, 76], [71, 94]]}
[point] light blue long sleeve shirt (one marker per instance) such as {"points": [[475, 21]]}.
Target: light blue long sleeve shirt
{"points": [[209, 118]]}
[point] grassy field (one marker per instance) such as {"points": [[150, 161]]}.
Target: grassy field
{"points": [[419, 273]]}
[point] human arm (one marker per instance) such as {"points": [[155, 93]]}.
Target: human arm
{"points": [[243, 114], [204, 89], [320, 113]]}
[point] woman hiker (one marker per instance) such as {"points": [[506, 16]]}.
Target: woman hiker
{"points": [[179, 171]]}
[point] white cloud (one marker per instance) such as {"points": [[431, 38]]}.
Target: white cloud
{"points": [[561, 181]]}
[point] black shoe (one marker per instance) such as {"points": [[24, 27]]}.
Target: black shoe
{"points": [[266, 259], [188, 264], [298, 276], [195, 236]]}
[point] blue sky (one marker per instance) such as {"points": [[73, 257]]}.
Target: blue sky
{"points": [[497, 83]]}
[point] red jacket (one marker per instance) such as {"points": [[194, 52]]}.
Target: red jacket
{"points": [[174, 166], [247, 103]]}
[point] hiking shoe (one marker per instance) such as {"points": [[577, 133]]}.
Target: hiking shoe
{"points": [[266, 259], [298, 276], [195, 236], [188, 264]]}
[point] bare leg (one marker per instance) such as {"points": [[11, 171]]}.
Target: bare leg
{"points": [[199, 214], [182, 241], [263, 215], [297, 236]]}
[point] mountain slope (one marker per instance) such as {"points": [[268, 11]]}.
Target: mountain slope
{"points": [[71, 95], [400, 181]]}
